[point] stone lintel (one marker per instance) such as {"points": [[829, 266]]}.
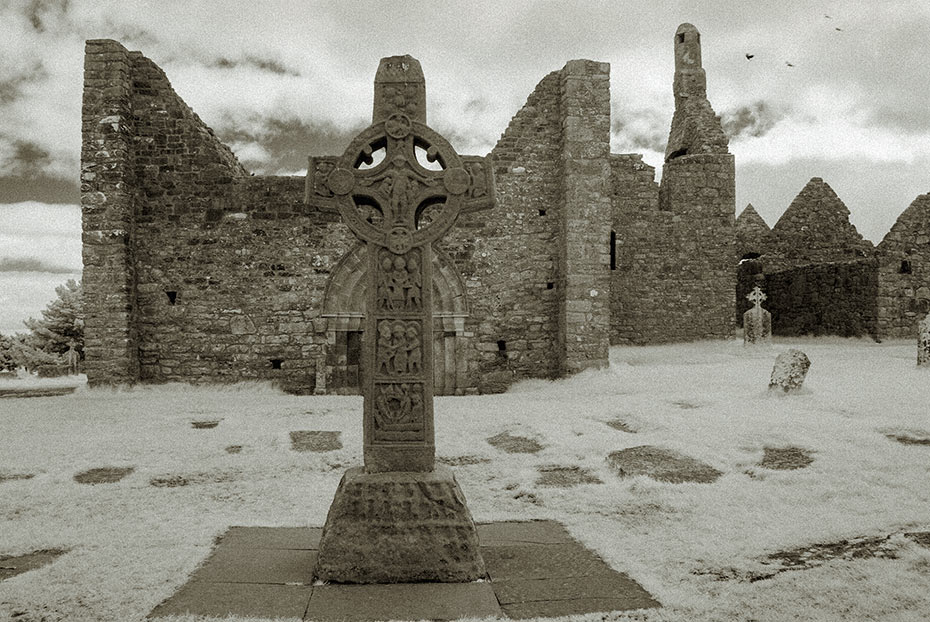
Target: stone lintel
{"points": [[400, 88], [399, 527], [383, 458]]}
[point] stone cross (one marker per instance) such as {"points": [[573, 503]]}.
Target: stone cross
{"points": [[397, 206], [757, 322], [399, 187]]}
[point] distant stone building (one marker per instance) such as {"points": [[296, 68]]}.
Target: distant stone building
{"points": [[822, 277], [195, 270]]}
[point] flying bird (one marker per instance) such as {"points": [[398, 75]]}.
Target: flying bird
{"points": [[827, 16], [789, 64], [749, 56], [838, 29]]}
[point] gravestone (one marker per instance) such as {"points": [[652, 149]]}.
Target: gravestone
{"points": [[923, 343], [757, 322], [789, 371], [401, 517]]}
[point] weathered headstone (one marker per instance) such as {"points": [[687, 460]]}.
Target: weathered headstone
{"points": [[400, 518], [923, 342], [789, 371], [757, 322]]}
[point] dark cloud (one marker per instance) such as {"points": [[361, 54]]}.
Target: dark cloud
{"points": [[39, 187], [754, 120], [39, 11], [32, 264], [264, 64], [290, 141], [633, 132]]}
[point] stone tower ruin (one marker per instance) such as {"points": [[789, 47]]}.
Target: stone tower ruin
{"points": [[197, 271]]}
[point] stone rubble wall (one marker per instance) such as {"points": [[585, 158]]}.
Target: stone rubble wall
{"points": [[675, 278], [109, 197], [904, 272], [824, 299]]}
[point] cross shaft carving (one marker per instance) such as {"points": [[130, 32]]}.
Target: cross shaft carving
{"points": [[398, 208]]}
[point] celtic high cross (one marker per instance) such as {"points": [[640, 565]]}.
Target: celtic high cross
{"points": [[756, 297], [398, 206]]}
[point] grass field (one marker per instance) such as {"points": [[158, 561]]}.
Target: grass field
{"points": [[699, 549]]}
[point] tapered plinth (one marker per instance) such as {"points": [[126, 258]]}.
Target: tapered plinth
{"points": [[399, 527]]}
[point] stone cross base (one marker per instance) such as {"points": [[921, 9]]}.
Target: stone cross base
{"points": [[399, 527], [757, 327]]}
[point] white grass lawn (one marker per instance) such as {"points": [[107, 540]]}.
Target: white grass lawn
{"points": [[132, 544]]}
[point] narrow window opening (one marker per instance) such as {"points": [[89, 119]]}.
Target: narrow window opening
{"points": [[276, 363], [550, 285], [678, 153], [681, 38], [542, 212], [172, 297], [502, 349], [905, 267], [613, 250]]}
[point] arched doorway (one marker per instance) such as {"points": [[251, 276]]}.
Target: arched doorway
{"points": [[344, 310]]}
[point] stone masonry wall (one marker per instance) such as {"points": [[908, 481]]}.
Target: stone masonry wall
{"points": [[904, 272], [508, 257], [230, 268], [108, 201], [586, 218], [824, 299], [674, 277]]}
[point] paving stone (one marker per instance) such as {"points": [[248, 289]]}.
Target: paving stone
{"points": [[315, 440], [11, 565], [204, 425], [910, 437], [9, 477], [514, 444], [605, 585], [565, 476], [403, 601], [920, 537], [554, 608], [623, 426], [103, 475], [528, 562], [247, 600], [785, 458], [461, 460], [661, 464], [528, 532], [37, 392], [247, 565], [234, 449], [288, 538]]}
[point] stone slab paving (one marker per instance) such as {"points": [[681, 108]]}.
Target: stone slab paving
{"points": [[535, 568]]}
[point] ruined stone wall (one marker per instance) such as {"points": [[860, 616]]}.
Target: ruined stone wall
{"points": [[108, 202], [230, 269], [584, 286], [904, 272], [824, 299], [508, 258], [815, 229], [675, 277]]}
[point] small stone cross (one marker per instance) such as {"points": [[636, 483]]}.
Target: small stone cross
{"points": [[398, 205], [756, 296]]}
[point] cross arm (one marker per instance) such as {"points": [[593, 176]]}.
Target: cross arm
{"points": [[316, 193], [480, 195]]}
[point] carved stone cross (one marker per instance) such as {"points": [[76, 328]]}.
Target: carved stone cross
{"points": [[756, 296], [401, 518], [398, 207]]}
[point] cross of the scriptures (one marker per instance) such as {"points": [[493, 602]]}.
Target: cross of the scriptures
{"points": [[398, 207], [756, 297]]}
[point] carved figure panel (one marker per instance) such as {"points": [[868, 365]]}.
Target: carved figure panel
{"points": [[399, 350], [398, 412], [400, 281]]}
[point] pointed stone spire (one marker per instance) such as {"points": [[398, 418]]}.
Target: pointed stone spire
{"points": [[911, 229], [695, 127]]}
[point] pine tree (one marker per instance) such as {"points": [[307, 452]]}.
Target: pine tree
{"points": [[62, 323], [7, 355]]}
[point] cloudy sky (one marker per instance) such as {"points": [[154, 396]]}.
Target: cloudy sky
{"points": [[279, 80]]}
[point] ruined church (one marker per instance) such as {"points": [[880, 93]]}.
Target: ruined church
{"points": [[195, 270]]}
